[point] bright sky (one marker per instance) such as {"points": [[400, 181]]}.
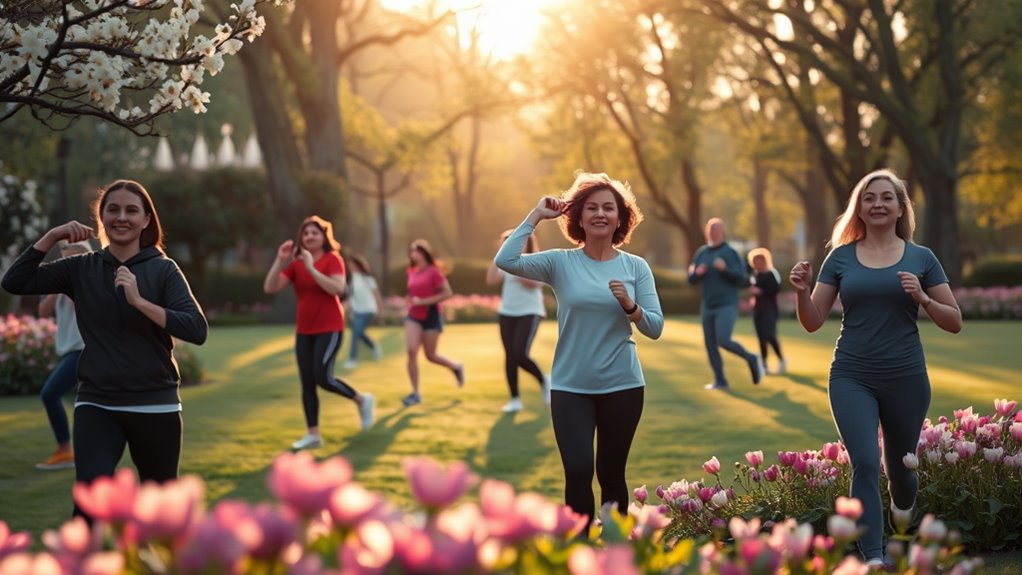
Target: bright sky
{"points": [[507, 27]]}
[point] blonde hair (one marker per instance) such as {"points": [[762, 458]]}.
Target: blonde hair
{"points": [[850, 227], [761, 252]]}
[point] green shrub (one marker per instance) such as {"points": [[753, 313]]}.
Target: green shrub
{"points": [[998, 270], [235, 287], [188, 364]]}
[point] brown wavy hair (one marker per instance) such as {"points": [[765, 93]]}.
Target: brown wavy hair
{"points": [[329, 245], [585, 185], [152, 234]]}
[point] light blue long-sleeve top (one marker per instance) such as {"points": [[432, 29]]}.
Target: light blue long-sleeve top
{"points": [[595, 351]]}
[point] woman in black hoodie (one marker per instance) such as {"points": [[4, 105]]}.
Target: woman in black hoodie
{"points": [[131, 300]]}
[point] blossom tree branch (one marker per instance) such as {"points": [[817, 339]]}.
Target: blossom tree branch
{"points": [[125, 61]]}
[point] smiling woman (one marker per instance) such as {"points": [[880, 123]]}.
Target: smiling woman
{"points": [[505, 28]]}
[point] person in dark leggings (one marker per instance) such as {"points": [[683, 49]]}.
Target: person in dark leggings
{"points": [[131, 302], [878, 375], [312, 265], [602, 292], [766, 283], [521, 309], [718, 271]]}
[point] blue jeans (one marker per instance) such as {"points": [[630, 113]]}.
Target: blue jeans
{"points": [[358, 333], [718, 323], [61, 379]]}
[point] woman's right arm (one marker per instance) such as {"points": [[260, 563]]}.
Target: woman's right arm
{"points": [[811, 308], [275, 279], [27, 277]]}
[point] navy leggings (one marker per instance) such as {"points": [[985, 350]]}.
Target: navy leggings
{"points": [[898, 406], [61, 380], [718, 324], [100, 435], [613, 419], [516, 333], [316, 354]]}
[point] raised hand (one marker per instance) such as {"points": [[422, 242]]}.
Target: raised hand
{"points": [[123, 278], [72, 231], [801, 275], [286, 250], [720, 264], [306, 257], [550, 207]]}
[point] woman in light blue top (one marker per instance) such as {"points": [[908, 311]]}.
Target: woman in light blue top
{"points": [[597, 382], [878, 375]]}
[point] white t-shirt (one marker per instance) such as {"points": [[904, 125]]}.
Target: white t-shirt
{"points": [[68, 338], [363, 289], [517, 299]]}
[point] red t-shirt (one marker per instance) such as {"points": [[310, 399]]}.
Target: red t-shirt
{"points": [[423, 283], [318, 311]]}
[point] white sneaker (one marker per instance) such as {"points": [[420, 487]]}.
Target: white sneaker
{"points": [[308, 442], [378, 352], [782, 367], [349, 364], [545, 387], [512, 406], [365, 411]]}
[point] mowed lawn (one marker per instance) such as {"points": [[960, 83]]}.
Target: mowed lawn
{"points": [[250, 411]]}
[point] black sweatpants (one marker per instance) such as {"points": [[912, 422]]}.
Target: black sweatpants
{"points": [[613, 419], [516, 333], [100, 435], [765, 321], [316, 354]]}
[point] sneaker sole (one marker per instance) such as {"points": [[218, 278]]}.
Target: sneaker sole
{"points": [[54, 466]]}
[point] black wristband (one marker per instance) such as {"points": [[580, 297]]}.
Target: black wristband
{"points": [[634, 309]]}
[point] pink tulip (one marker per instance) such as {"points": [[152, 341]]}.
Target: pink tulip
{"points": [[756, 552], [932, 529], [719, 499], [801, 466], [11, 543], [787, 458], [434, 486], [692, 506], [641, 494], [304, 485], [740, 529], [370, 550], [1013, 460], [993, 455], [350, 504], [166, 512], [612, 560], [755, 458], [965, 449], [706, 493], [850, 566], [265, 531], [567, 523], [793, 539], [841, 528], [73, 542], [25, 564], [1016, 431], [951, 457], [969, 424], [109, 499], [831, 450], [848, 507], [1018, 417], [104, 563], [507, 516], [648, 520], [454, 539], [771, 473], [922, 558], [660, 488], [210, 547], [712, 466], [961, 413]]}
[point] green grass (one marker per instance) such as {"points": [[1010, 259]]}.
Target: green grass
{"points": [[250, 411]]}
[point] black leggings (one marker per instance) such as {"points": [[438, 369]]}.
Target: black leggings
{"points": [[765, 321], [516, 333], [613, 417], [315, 354], [154, 440]]}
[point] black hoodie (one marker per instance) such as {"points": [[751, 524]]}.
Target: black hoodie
{"points": [[127, 359]]}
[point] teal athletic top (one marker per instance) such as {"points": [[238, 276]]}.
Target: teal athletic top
{"points": [[719, 288], [595, 352], [879, 334]]}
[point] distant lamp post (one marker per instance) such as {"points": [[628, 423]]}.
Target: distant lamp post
{"points": [[63, 151]]}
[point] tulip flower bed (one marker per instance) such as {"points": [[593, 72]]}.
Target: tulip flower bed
{"points": [[975, 303], [970, 474], [26, 353], [324, 522]]}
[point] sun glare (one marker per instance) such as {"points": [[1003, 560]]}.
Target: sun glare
{"points": [[506, 27]]}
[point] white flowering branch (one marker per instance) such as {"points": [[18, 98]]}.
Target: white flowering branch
{"points": [[125, 61]]}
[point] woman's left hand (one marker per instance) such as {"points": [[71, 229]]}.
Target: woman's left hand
{"points": [[910, 283], [306, 257], [617, 288], [126, 280]]}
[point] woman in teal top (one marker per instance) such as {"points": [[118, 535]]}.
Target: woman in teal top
{"points": [[878, 374], [597, 382]]}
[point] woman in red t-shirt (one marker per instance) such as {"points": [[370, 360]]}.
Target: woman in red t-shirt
{"points": [[427, 287], [316, 270]]}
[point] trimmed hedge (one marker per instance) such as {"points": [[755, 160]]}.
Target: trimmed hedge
{"points": [[996, 271]]}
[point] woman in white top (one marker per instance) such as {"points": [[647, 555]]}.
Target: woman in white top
{"points": [[521, 309], [365, 306]]}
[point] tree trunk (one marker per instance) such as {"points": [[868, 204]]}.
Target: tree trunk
{"points": [[940, 232], [381, 220], [275, 135], [693, 232], [324, 134], [759, 190]]}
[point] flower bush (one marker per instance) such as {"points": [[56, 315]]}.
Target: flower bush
{"points": [[324, 522], [27, 353], [23, 214], [970, 473]]}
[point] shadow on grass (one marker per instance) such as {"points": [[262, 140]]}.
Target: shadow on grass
{"points": [[801, 380], [511, 446]]}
